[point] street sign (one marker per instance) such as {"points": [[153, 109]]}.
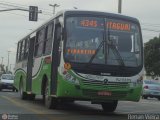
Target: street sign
{"points": [[33, 13]]}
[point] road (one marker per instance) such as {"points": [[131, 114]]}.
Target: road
{"points": [[12, 105]]}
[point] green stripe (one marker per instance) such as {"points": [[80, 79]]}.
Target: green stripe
{"points": [[19, 69]]}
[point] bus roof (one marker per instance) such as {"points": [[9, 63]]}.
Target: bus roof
{"points": [[76, 11], [100, 13]]}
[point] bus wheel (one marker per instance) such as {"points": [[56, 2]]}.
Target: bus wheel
{"points": [[23, 95], [31, 96], [109, 106], [50, 102], [145, 97]]}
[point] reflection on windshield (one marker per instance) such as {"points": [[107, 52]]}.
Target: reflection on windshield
{"points": [[85, 34]]}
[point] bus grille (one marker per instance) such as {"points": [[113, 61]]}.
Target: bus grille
{"points": [[98, 83]]}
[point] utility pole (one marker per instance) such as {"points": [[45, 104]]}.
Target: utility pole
{"points": [[8, 61], [120, 6], [54, 7], [11, 67]]}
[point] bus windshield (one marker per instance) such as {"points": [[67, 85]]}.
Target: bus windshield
{"points": [[103, 41]]}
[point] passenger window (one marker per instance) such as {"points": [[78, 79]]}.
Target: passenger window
{"points": [[39, 42], [18, 51], [26, 48], [48, 39], [22, 50]]}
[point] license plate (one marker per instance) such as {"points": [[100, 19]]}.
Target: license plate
{"points": [[104, 93]]}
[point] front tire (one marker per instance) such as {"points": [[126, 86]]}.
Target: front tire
{"points": [[31, 96], [109, 106], [145, 97], [50, 102]]}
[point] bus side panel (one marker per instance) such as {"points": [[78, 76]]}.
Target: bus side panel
{"points": [[43, 70], [135, 95], [20, 76]]}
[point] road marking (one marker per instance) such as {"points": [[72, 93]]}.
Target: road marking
{"points": [[42, 114], [20, 105], [137, 112]]}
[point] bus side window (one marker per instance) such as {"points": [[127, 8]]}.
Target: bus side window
{"points": [[26, 48], [48, 39], [22, 50], [39, 42], [18, 51]]}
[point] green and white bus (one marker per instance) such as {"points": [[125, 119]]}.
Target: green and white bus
{"points": [[82, 55]]}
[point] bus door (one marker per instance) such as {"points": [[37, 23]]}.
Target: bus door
{"points": [[30, 64], [55, 58]]}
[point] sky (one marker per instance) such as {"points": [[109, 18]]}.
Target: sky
{"points": [[14, 25]]}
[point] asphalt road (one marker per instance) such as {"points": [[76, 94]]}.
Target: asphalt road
{"points": [[18, 109]]}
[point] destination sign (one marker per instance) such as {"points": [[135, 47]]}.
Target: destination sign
{"points": [[80, 51], [120, 26], [88, 23]]}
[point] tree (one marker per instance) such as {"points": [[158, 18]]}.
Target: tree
{"points": [[152, 57], [2, 70]]}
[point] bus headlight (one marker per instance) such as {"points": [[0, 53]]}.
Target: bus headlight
{"points": [[72, 79]]}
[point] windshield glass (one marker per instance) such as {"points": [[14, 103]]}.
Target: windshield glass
{"points": [[105, 41], [8, 77]]}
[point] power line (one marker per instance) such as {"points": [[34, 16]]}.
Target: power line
{"points": [[49, 14], [44, 13], [150, 24], [20, 14], [19, 5], [146, 29], [10, 5]]}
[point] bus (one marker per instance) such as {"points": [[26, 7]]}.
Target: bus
{"points": [[82, 55]]}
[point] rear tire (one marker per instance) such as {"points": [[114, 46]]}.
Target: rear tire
{"points": [[31, 96], [50, 102], [109, 106], [13, 90], [23, 95], [145, 97]]}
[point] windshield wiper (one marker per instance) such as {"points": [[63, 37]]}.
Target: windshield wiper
{"points": [[116, 52], [97, 50], [110, 44]]}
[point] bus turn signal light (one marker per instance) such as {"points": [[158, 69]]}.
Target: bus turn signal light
{"points": [[67, 66]]}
